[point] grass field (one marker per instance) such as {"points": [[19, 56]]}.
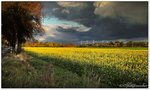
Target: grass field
{"points": [[88, 67]]}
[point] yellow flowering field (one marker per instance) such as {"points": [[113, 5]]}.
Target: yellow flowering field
{"points": [[113, 66]]}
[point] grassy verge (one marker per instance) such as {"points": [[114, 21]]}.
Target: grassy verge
{"points": [[19, 74], [65, 78], [37, 73]]}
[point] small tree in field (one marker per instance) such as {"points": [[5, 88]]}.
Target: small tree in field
{"points": [[20, 21]]}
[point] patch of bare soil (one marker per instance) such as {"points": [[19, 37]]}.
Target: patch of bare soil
{"points": [[21, 56]]}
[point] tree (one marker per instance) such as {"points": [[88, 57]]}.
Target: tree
{"points": [[111, 44], [130, 44], [121, 44], [20, 21]]}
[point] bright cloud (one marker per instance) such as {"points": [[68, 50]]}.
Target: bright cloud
{"points": [[52, 32], [54, 23], [71, 4], [83, 28]]}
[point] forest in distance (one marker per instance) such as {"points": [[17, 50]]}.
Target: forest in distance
{"points": [[86, 44]]}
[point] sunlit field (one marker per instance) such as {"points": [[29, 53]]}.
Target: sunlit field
{"points": [[95, 67]]}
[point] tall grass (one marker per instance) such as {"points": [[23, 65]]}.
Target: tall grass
{"points": [[21, 74]]}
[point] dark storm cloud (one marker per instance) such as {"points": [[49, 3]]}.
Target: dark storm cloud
{"points": [[133, 12], [82, 14], [110, 31], [123, 25]]}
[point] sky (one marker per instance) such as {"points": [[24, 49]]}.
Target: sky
{"points": [[72, 22]]}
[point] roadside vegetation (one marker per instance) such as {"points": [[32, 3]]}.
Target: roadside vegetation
{"points": [[37, 73]]}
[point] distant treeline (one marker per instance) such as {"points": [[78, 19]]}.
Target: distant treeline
{"points": [[108, 44]]}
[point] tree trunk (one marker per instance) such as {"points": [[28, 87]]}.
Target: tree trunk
{"points": [[18, 47], [13, 47]]}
